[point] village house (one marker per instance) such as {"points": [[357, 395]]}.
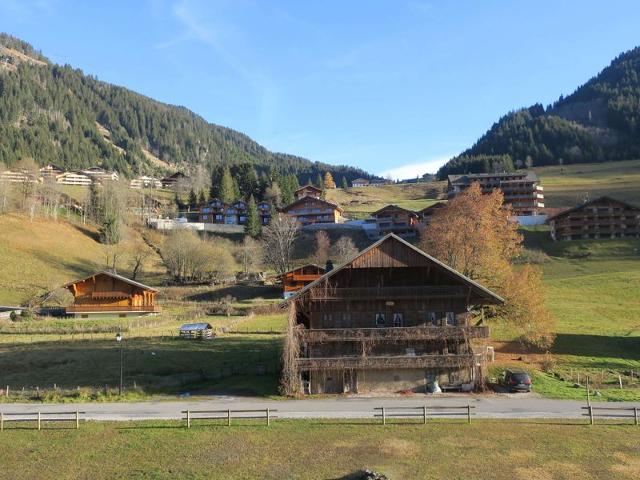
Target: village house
{"points": [[395, 219], [522, 190], [215, 211], [427, 212], [107, 294], [17, 176], [307, 191], [172, 180], [360, 182], [300, 277], [101, 175], [392, 319], [74, 178], [144, 181], [604, 217], [50, 171], [309, 210]]}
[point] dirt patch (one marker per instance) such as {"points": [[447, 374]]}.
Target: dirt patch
{"points": [[626, 465], [509, 352], [397, 447]]}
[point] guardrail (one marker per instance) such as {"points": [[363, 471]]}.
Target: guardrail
{"points": [[592, 413], [424, 412], [40, 417], [264, 413]]}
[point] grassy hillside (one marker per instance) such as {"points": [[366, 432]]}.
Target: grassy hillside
{"points": [[362, 200], [567, 185], [38, 256], [484, 449]]}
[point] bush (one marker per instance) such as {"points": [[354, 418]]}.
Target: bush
{"points": [[549, 363]]}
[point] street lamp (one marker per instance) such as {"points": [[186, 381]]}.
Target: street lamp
{"points": [[119, 339]]}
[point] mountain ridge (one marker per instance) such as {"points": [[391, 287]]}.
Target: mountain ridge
{"points": [[57, 114]]}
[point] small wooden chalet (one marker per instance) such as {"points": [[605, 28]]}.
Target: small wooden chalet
{"points": [[604, 217], [307, 191], [392, 319], [309, 210], [427, 212], [360, 182], [172, 180], [395, 219], [300, 277], [109, 294]]}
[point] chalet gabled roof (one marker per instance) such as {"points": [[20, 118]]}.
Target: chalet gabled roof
{"points": [[483, 291], [308, 186], [304, 266], [434, 206], [589, 203], [394, 207], [467, 178], [310, 199], [117, 277]]}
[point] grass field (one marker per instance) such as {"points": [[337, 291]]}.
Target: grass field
{"points": [[566, 186], [484, 449], [39, 256]]}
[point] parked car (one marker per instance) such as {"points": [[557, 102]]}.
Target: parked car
{"points": [[517, 381]]}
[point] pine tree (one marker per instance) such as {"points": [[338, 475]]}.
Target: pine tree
{"points": [[193, 200], [202, 198], [253, 227], [345, 185], [227, 187], [328, 181], [319, 182]]}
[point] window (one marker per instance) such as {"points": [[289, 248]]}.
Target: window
{"points": [[451, 318], [380, 320], [398, 319], [326, 320], [346, 320], [431, 318]]}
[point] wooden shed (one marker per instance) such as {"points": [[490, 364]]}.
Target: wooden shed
{"points": [[196, 331]]}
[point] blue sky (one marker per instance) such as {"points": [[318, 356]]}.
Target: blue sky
{"points": [[384, 85]]}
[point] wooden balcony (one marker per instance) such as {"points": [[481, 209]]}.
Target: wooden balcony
{"points": [[390, 362], [107, 308], [385, 293], [393, 333]]}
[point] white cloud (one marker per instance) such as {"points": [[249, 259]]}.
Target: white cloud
{"points": [[414, 170]]}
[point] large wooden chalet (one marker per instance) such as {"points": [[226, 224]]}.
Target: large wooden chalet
{"points": [[308, 208], [300, 277], [392, 319], [604, 217], [215, 211], [109, 294]]}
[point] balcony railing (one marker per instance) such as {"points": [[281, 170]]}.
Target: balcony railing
{"points": [[393, 333], [390, 362], [386, 293], [107, 308]]}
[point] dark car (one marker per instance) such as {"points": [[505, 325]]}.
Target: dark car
{"points": [[517, 381]]}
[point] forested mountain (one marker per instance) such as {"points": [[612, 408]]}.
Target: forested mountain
{"points": [[599, 122], [56, 114]]}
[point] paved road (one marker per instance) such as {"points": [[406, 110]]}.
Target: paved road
{"points": [[356, 407]]}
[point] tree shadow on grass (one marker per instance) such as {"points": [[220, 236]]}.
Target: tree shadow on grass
{"points": [[604, 346], [239, 292]]}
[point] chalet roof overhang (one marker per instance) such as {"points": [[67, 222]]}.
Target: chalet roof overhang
{"points": [[293, 270], [590, 203], [475, 287], [112, 275], [394, 207], [303, 200]]}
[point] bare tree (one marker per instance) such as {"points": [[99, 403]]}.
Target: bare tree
{"points": [[112, 255], [249, 255], [323, 245], [138, 256], [278, 240], [344, 249]]}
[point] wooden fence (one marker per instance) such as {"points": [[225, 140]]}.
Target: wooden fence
{"points": [[40, 417], [618, 412], [423, 412], [191, 415]]}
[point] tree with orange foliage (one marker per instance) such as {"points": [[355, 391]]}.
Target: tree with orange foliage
{"points": [[474, 235]]}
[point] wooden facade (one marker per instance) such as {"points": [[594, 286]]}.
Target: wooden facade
{"points": [[522, 190], [392, 319], [107, 294], [309, 210], [395, 219], [604, 217], [307, 191], [427, 212], [300, 277]]}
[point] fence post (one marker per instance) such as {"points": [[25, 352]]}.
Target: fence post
{"points": [[424, 414], [39, 421], [77, 420], [620, 381], [7, 390], [468, 413], [228, 418], [384, 420], [1, 421], [268, 419], [590, 414], [635, 415], [188, 419]]}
